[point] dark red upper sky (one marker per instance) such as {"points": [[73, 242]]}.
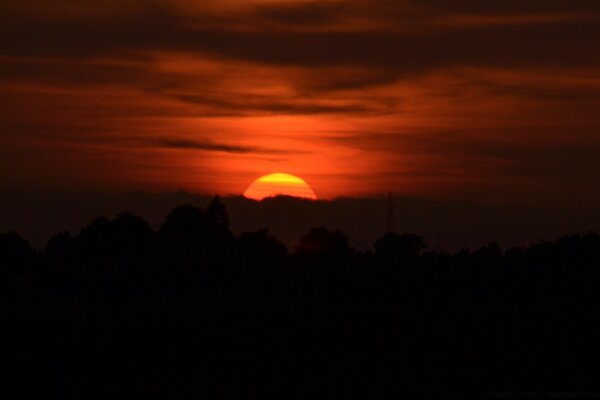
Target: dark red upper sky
{"points": [[495, 101]]}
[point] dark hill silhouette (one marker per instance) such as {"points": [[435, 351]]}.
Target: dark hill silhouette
{"points": [[120, 310]]}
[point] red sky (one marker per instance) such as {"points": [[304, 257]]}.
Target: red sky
{"points": [[438, 98]]}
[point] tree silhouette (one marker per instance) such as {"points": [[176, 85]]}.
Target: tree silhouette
{"points": [[323, 244], [395, 249], [194, 311], [262, 249], [217, 215]]}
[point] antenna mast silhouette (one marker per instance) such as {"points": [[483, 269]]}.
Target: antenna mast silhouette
{"points": [[390, 213]]}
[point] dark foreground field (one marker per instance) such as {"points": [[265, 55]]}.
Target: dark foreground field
{"points": [[192, 311]]}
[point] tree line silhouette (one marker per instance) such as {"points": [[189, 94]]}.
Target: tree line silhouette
{"points": [[120, 310]]}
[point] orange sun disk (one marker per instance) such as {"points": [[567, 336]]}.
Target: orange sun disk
{"points": [[279, 184]]}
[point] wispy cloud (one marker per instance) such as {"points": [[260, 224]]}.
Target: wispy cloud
{"points": [[188, 144]]}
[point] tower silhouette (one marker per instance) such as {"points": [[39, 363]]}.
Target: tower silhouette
{"points": [[390, 213]]}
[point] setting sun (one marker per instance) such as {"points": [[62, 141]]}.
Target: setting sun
{"points": [[278, 184]]}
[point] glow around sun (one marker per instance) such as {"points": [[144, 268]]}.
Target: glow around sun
{"points": [[279, 184]]}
